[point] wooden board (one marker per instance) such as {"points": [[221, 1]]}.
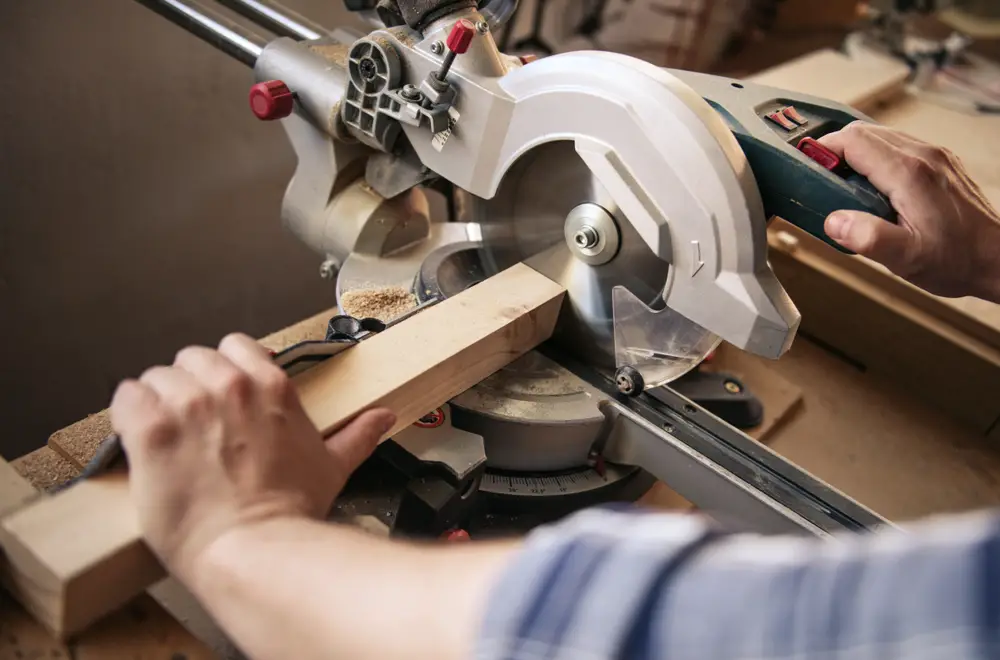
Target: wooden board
{"points": [[142, 631], [904, 336], [830, 74], [15, 490], [441, 353], [79, 554], [780, 397], [862, 434]]}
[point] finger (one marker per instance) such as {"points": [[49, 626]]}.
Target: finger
{"points": [[892, 136], [355, 442], [871, 236], [177, 390], [139, 418], [869, 154], [132, 404], [247, 354], [215, 371]]}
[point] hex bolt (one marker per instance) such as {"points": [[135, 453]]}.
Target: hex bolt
{"points": [[586, 237], [411, 93], [437, 47], [482, 27]]}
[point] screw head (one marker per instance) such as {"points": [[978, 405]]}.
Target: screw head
{"points": [[732, 387], [437, 47], [629, 381], [586, 237], [482, 27]]}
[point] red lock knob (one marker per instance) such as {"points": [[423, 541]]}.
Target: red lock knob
{"points": [[460, 36], [271, 100]]}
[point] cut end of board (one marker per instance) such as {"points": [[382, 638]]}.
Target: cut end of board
{"points": [[78, 555]]}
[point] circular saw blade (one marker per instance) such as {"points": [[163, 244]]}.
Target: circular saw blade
{"points": [[525, 222]]}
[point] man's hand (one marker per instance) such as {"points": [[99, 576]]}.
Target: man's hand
{"points": [[220, 441], [948, 237]]}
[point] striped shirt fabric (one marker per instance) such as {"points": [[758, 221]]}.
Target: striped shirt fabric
{"points": [[607, 583]]}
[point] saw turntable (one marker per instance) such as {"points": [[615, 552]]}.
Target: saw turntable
{"points": [[428, 160]]}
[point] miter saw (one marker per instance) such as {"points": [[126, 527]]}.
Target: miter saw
{"points": [[428, 159]]}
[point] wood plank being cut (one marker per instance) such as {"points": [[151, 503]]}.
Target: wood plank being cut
{"points": [[79, 554]]}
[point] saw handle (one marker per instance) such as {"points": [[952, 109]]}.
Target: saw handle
{"points": [[806, 183], [799, 179]]}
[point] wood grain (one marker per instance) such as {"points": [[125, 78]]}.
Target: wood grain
{"points": [[15, 490], [444, 351], [833, 75], [79, 554], [891, 329]]}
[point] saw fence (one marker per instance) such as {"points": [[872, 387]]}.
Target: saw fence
{"points": [[75, 556]]}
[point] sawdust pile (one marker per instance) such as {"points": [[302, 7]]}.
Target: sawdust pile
{"points": [[383, 303]]}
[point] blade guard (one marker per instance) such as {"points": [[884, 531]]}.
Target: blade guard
{"points": [[662, 345], [673, 168]]}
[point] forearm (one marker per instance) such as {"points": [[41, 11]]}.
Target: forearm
{"points": [[611, 585], [295, 588]]}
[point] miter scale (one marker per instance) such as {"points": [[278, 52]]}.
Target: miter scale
{"points": [[430, 160]]}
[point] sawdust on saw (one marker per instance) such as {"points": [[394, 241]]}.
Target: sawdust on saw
{"points": [[382, 303]]}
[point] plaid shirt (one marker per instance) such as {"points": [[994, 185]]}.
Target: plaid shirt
{"points": [[610, 584]]}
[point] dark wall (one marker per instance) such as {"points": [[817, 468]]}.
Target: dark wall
{"points": [[139, 206]]}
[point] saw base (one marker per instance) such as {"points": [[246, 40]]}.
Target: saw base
{"points": [[499, 503]]}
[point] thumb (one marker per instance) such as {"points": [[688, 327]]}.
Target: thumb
{"points": [[870, 236], [355, 442]]}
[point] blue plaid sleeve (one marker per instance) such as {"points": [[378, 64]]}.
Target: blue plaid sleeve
{"points": [[606, 584]]}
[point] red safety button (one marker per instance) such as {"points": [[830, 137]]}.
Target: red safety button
{"points": [[794, 115], [271, 100], [819, 153], [781, 120]]}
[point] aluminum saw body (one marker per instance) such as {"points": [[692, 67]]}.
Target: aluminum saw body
{"points": [[644, 192]]}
